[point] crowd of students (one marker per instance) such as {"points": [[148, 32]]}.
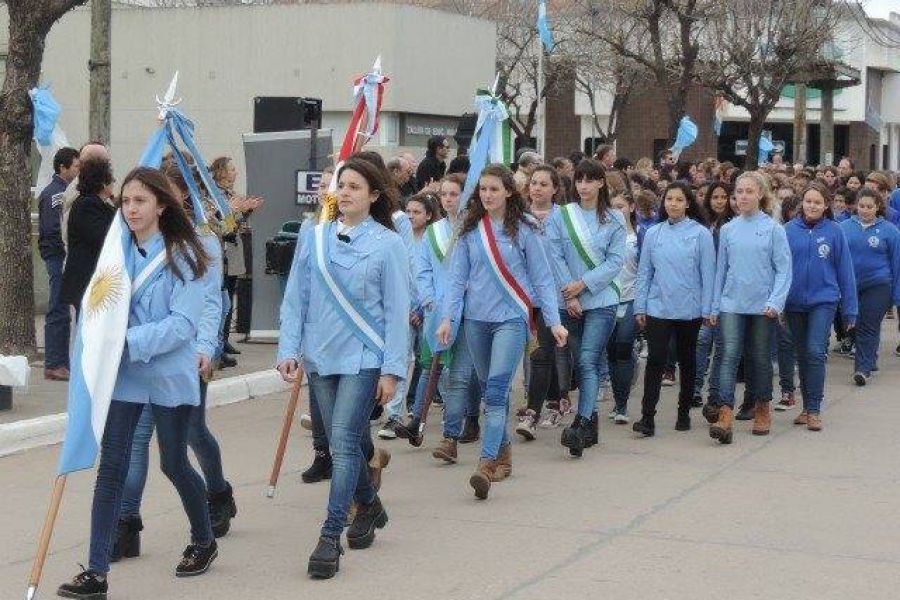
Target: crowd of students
{"points": [[565, 270]]}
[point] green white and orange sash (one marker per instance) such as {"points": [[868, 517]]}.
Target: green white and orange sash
{"points": [[580, 234], [502, 275], [439, 234]]}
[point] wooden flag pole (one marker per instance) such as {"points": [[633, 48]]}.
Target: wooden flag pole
{"points": [[434, 374], [285, 433], [46, 533]]}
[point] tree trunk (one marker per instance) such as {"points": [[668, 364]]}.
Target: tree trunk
{"points": [[757, 122], [29, 23], [676, 104], [100, 69]]}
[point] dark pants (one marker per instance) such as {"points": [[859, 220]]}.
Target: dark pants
{"points": [[659, 332], [320, 441], [621, 355], [57, 321], [172, 429], [544, 382], [230, 286]]}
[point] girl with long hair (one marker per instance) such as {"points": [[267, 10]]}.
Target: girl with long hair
{"points": [[823, 279], [674, 296], [753, 277], [587, 242], [346, 312], [500, 276], [159, 368]]}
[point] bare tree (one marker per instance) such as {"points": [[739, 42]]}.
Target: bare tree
{"points": [[755, 47], [29, 23]]}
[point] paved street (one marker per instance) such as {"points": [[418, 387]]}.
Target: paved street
{"points": [[792, 515]]}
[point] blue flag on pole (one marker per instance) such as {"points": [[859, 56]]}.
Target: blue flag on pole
{"points": [[543, 26]]}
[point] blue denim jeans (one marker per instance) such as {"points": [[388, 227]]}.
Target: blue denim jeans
{"points": [[57, 323], [787, 361], [709, 346], [588, 338], [345, 403], [810, 332], [459, 389], [873, 304], [496, 350], [172, 428], [756, 330], [200, 439], [622, 359]]}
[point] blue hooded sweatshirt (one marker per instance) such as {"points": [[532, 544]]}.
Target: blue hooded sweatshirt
{"points": [[876, 254], [822, 267]]}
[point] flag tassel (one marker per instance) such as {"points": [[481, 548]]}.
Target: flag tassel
{"points": [[44, 541]]}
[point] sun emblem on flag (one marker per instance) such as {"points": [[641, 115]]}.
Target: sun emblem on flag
{"points": [[105, 289]]}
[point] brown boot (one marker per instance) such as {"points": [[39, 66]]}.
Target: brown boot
{"points": [[762, 418], [802, 418], [504, 463], [446, 451], [481, 478], [722, 429], [814, 422], [379, 461]]}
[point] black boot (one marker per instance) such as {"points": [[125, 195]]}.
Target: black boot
{"points": [[684, 419], [576, 436], [411, 431], [320, 468], [196, 560], [221, 510], [128, 539], [646, 426], [697, 400], [471, 431], [361, 532], [594, 438], [325, 560], [746, 412], [88, 585], [710, 412], [229, 349]]}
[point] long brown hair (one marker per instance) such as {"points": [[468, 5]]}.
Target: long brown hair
{"points": [[177, 230], [379, 181], [515, 204], [592, 170]]}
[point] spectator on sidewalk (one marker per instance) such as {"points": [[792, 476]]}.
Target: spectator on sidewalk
{"points": [[53, 252], [91, 150], [89, 220], [434, 165], [401, 173]]}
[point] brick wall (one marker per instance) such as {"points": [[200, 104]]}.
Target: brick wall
{"points": [[862, 137], [563, 125]]}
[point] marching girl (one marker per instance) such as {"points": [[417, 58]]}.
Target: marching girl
{"points": [[346, 313], [200, 439], [753, 277], [674, 296], [620, 349], [823, 279], [499, 268], [587, 242], [709, 345], [159, 367], [546, 193], [875, 249], [460, 385]]}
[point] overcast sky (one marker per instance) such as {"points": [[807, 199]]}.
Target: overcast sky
{"points": [[881, 8]]}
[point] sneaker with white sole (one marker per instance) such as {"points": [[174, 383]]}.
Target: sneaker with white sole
{"points": [[860, 378], [668, 378], [621, 418], [787, 402], [551, 420], [389, 431], [306, 422], [526, 426]]}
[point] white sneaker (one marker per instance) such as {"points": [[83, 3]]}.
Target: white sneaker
{"points": [[551, 420], [306, 422], [621, 419], [525, 428], [388, 432]]}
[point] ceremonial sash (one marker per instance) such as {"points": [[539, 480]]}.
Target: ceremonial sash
{"points": [[508, 285], [439, 235], [360, 321], [580, 234], [148, 273]]}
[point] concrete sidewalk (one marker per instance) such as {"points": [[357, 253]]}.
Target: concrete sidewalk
{"points": [[795, 515]]}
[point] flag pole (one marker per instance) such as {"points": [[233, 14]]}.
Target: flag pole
{"points": [[542, 99], [34, 579], [289, 412]]}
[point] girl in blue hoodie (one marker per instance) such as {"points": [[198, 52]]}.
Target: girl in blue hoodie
{"points": [[823, 279], [753, 277], [875, 250]]}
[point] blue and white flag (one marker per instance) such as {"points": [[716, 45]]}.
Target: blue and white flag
{"points": [[765, 147], [685, 136], [543, 26], [491, 142], [99, 342], [48, 135]]}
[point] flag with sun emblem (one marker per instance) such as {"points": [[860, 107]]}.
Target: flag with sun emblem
{"points": [[99, 342]]}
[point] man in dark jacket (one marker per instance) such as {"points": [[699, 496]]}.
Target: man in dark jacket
{"points": [[433, 166], [53, 252]]}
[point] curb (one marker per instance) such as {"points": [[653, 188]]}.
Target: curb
{"points": [[50, 429]]}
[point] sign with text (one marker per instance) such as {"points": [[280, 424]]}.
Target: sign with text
{"points": [[308, 187]]}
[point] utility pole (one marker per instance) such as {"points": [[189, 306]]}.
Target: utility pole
{"points": [[100, 70]]}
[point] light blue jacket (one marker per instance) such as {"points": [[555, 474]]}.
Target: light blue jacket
{"points": [[754, 266], [677, 271], [405, 230], [431, 275], [373, 268], [472, 278], [211, 320], [608, 242], [159, 364]]}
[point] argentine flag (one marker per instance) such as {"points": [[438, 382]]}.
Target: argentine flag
{"points": [[543, 26], [99, 342]]}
